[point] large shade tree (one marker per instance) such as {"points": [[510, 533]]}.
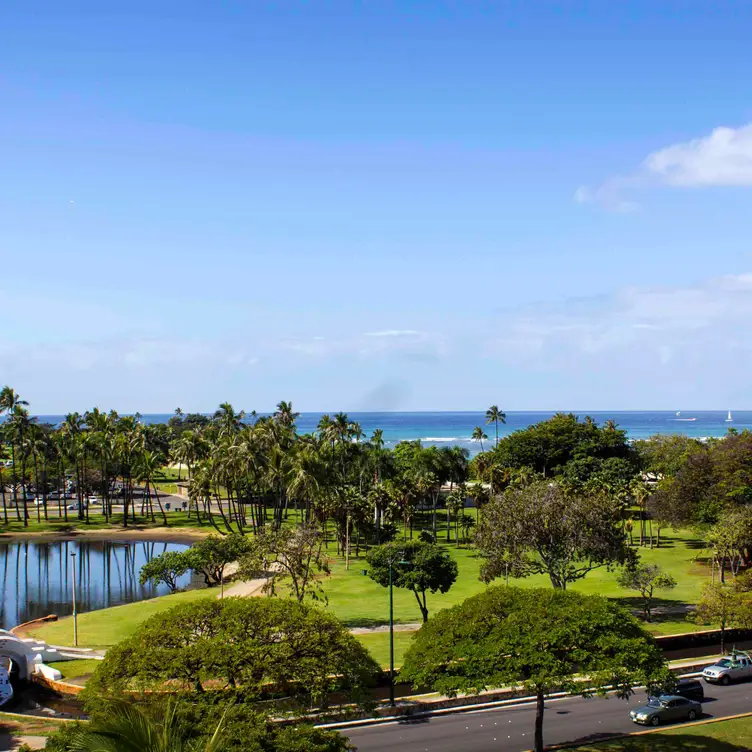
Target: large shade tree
{"points": [[541, 529], [544, 640], [244, 644]]}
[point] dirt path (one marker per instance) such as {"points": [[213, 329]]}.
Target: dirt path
{"points": [[385, 628], [245, 588]]}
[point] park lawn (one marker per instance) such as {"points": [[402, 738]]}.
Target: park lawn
{"points": [[720, 736], [108, 626], [377, 644], [360, 602], [176, 519]]}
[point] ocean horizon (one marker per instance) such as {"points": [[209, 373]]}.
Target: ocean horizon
{"points": [[447, 428]]}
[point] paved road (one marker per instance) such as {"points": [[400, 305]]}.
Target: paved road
{"points": [[511, 729]]}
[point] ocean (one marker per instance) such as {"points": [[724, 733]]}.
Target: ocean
{"points": [[455, 428]]}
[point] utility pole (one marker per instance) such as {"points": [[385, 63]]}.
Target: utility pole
{"points": [[75, 615]]}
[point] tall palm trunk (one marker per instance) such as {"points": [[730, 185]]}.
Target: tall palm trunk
{"points": [[14, 480], [5, 506]]}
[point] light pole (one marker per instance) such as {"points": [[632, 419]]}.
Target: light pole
{"points": [[75, 616], [398, 558]]}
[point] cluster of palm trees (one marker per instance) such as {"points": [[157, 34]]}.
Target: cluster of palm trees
{"points": [[244, 472], [116, 457]]}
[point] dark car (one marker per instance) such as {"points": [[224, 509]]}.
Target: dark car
{"points": [[692, 689], [666, 709]]}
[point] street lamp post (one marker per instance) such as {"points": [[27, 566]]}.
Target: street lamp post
{"points": [[75, 616], [391, 638]]}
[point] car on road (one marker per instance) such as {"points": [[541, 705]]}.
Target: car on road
{"points": [[691, 689], [666, 709], [730, 668]]}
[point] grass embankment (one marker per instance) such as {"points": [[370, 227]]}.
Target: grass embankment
{"points": [[108, 626], [75, 671], [719, 736]]}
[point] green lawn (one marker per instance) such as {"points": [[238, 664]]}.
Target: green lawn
{"points": [[75, 669], [96, 522], [377, 645], [358, 601], [108, 626], [722, 736]]}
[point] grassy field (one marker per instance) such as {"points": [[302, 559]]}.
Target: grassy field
{"points": [[722, 736], [360, 602], [377, 644]]}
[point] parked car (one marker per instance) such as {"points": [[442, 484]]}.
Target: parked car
{"points": [[666, 709], [734, 667]]}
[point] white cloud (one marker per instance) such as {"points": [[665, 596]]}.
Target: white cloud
{"points": [[722, 158], [394, 333]]}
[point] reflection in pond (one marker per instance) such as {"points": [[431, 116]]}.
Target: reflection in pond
{"points": [[36, 576]]}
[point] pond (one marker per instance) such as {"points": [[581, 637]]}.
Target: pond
{"points": [[37, 576]]}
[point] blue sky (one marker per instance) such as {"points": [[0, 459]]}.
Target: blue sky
{"points": [[413, 205]]}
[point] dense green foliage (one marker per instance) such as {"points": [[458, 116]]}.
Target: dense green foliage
{"points": [[541, 639], [166, 568], [415, 565], [259, 646]]}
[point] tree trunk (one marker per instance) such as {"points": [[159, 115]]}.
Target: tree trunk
{"points": [[539, 710]]}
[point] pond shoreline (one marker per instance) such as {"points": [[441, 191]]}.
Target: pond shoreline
{"points": [[163, 534]]}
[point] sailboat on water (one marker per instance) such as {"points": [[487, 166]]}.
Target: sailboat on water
{"points": [[729, 419]]}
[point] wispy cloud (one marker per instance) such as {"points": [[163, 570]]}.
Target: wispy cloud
{"points": [[394, 333], [652, 324], [406, 344], [722, 158]]}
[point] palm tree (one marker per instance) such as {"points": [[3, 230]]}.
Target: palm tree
{"points": [[285, 415], [479, 435], [128, 728], [9, 401], [494, 415]]}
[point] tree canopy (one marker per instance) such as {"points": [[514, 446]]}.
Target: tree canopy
{"points": [[543, 639], [541, 529], [257, 645], [416, 565]]}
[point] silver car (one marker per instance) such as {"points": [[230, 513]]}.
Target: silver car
{"points": [[666, 709], [734, 667]]}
